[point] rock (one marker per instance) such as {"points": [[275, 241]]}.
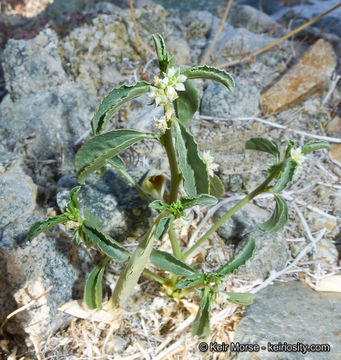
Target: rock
{"points": [[335, 152], [58, 7], [218, 101], [311, 74], [183, 7], [287, 313], [17, 196], [269, 7], [271, 249], [32, 65], [106, 7], [180, 49]]}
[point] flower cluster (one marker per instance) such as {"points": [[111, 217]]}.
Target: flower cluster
{"points": [[208, 159], [297, 156], [162, 123], [165, 90]]}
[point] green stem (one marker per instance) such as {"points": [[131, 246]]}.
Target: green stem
{"points": [[154, 276], [175, 244], [261, 188]]}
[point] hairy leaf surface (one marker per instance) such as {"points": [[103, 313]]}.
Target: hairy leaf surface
{"points": [[44, 225], [278, 218]]}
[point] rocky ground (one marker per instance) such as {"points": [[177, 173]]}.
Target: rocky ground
{"points": [[58, 60]]}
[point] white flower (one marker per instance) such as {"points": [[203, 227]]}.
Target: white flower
{"points": [[296, 155], [161, 124], [158, 96], [171, 94], [169, 114], [174, 79], [71, 225], [208, 159]]}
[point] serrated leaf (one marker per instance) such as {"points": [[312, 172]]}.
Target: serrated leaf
{"points": [[44, 225], [278, 218], [163, 226], [191, 281], [191, 165], [201, 200], [263, 144], [238, 259], [285, 177], [113, 101], [117, 162], [315, 145], [187, 103], [93, 286], [132, 271], [159, 205], [240, 298], [161, 51], [92, 219], [97, 151], [170, 263], [105, 243], [211, 73], [201, 324], [216, 186]]}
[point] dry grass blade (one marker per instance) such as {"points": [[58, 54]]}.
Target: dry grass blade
{"points": [[285, 37], [220, 29]]}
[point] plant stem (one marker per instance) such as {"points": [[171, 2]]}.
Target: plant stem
{"points": [[154, 276], [174, 243], [261, 188]]}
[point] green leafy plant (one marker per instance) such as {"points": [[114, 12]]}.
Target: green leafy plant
{"points": [[190, 168]]}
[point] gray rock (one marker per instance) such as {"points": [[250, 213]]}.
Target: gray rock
{"points": [[107, 7], [218, 101], [269, 7], [65, 6], [271, 250], [32, 65], [292, 313]]}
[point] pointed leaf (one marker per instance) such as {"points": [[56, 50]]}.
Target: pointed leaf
{"points": [[192, 167], [278, 218], [163, 226], [113, 101], [211, 73], [291, 144], [201, 324], [159, 205], [315, 145], [238, 259], [187, 103], [106, 243], [240, 298], [191, 281], [44, 225], [285, 177], [93, 286], [117, 162], [95, 152], [201, 200], [92, 220], [170, 263], [216, 186], [132, 271], [161, 51], [73, 196], [263, 144]]}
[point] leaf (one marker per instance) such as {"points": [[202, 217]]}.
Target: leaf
{"points": [[240, 298], [216, 186], [113, 101], [44, 225], [93, 286], [117, 162], [73, 196], [106, 243], [285, 177], [159, 205], [163, 226], [187, 103], [191, 281], [331, 283], [211, 73], [238, 259], [170, 263], [315, 145], [161, 51], [192, 167], [95, 152], [92, 220], [202, 200], [278, 218], [291, 144], [201, 324], [263, 144], [132, 271]]}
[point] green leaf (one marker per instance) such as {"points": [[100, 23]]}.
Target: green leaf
{"points": [[73, 196], [163, 226], [201, 324], [165, 60], [291, 144], [315, 145], [93, 286], [201, 200], [191, 281], [211, 73], [170, 263], [238, 260], [240, 298], [159, 205], [192, 167], [263, 144], [106, 243], [278, 218], [216, 186], [97, 151], [117, 162], [132, 271], [285, 177], [113, 101], [187, 103], [92, 220], [44, 225]]}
